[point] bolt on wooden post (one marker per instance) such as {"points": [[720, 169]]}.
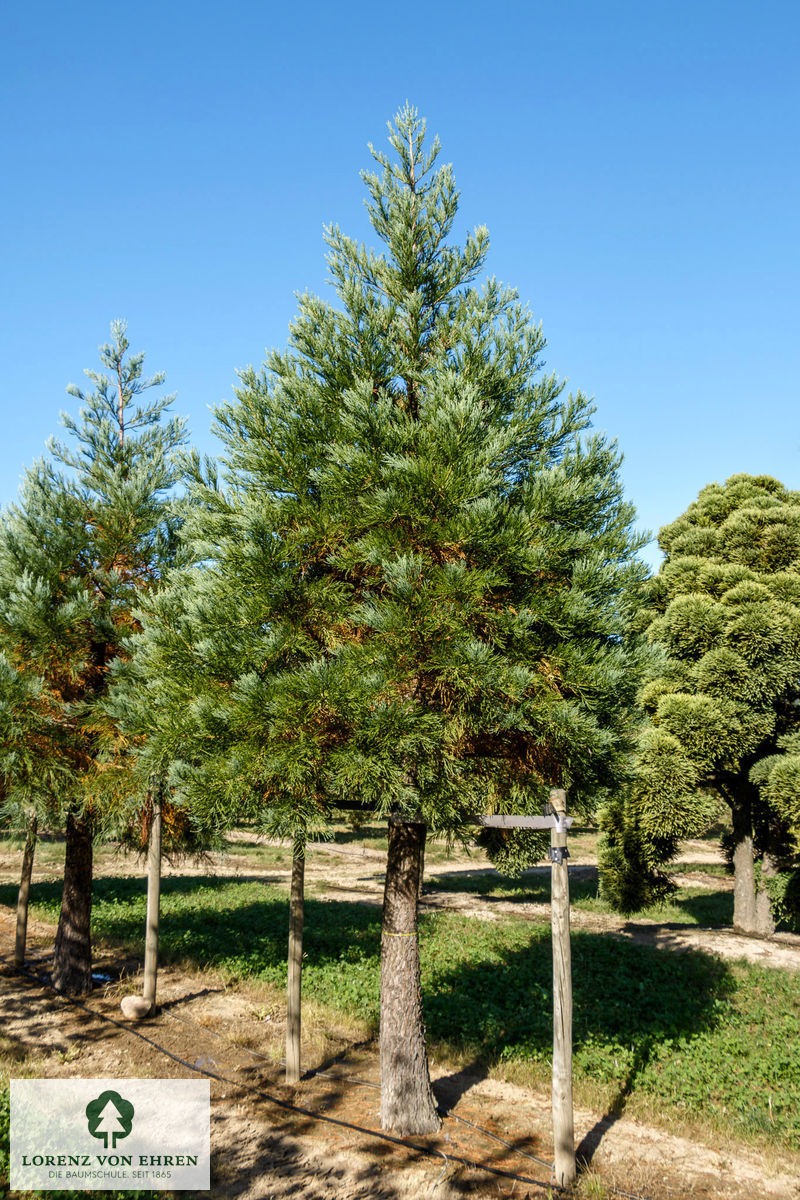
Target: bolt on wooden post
{"points": [[564, 1170]]}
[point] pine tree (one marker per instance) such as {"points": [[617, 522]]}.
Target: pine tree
{"points": [[724, 700], [413, 579], [93, 530]]}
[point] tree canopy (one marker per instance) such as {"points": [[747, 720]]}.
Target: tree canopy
{"points": [[724, 699], [416, 555], [93, 530]]}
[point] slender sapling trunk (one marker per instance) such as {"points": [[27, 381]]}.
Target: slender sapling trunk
{"points": [[24, 893], [564, 1169]]}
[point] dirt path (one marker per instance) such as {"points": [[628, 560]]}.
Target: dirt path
{"points": [[325, 1142]]}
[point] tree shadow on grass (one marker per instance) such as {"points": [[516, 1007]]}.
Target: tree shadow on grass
{"points": [[713, 909], [632, 1004]]}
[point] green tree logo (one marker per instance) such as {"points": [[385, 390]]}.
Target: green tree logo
{"points": [[109, 1116]]}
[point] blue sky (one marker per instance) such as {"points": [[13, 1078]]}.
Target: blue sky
{"points": [[635, 161]]}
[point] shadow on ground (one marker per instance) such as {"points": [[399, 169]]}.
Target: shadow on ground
{"points": [[486, 986]]}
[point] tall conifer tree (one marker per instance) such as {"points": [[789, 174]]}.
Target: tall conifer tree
{"points": [[92, 531], [414, 573]]}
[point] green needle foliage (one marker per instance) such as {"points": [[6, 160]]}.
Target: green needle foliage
{"points": [[94, 529], [415, 563], [724, 703]]}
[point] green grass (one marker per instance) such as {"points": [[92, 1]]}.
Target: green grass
{"points": [[704, 1038], [717, 869]]}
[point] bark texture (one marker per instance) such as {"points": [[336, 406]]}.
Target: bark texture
{"points": [[72, 959], [752, 912], [765, 921], [408, 1105], [294, 982], [153, 907], [564, 1167], [24, 894]]}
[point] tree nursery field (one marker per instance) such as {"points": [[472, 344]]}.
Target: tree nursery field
{"points": [[700, 1078], [401, 723]]}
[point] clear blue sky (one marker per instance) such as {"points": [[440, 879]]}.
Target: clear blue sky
{"points": [[636, 162]]}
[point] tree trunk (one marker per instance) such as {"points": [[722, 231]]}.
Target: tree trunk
{"points": [[153, 905], [72, 959], [564, 1168], [24, 893], [421, 883], [408, 1105], [751, 906], [764, 919], [296, 914], [744, 886]]}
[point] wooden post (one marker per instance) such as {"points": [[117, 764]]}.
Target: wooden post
{"points": [[295, 972], [153, 902], [564, 1170], [24, 893]]}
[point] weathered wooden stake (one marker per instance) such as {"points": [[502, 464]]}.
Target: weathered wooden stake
{"points": [[293, 987], [564, 1170], [153, 904], [24, 893]]}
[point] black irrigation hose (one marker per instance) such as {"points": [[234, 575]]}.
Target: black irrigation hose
{"points": [[284, 1104]]}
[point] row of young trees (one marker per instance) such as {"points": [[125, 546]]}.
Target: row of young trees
{"points": [[410, 588]]}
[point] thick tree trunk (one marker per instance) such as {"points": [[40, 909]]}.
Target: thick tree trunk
{"points": [[153, 906], [564, 1167], [72, 960], [752, 912], [24, 893], [294, 981], [764, 920], [408, 1105], [744, 886]]}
